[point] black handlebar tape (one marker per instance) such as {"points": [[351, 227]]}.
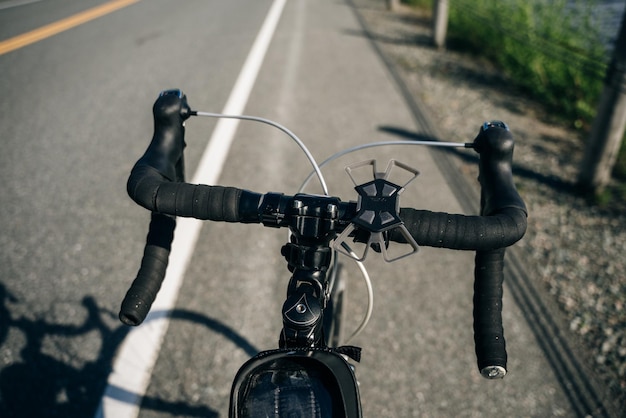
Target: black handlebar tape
{"points": [[143, 290], [214, 203], [488, 330], [495, 144], [461, 232], [157, 179], [148, 188]]}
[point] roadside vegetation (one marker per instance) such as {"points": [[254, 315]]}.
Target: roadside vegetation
{"points": [[552, 51]]}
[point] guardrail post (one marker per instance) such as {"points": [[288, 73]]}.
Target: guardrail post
{"points": [[609, 124], [393, 4], [440, 22]]}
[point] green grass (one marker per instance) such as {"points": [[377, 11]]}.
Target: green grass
{"points": [[550, 52], [547, 50]]}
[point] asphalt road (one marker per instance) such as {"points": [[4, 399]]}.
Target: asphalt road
{"points": [[75, 114]]}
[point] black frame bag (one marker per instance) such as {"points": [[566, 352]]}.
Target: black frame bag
{"points": [[307, 383]]}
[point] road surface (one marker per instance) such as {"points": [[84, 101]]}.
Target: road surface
{"points": [[75, 115]]}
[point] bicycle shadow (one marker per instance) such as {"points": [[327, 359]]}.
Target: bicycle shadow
{"points": [[40, 385]]}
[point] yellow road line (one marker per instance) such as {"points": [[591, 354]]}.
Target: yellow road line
{"points": [[62, 25]]}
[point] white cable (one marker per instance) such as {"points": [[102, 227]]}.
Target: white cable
{"points": [[381, 144], [370, 295], [293, 136]]}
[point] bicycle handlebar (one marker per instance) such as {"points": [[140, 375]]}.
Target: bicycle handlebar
{"points": [[157, 183]]}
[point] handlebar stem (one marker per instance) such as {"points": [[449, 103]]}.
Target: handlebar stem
{"points": [[306, 297], [313, 221], [303, 309]]}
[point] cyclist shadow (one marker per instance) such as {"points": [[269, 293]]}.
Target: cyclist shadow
{"points": [[41, 385]]}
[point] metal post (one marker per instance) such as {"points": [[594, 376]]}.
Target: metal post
{"points": [[440, 22]]}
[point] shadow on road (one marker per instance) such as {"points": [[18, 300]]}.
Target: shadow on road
{"points": [[40, 385]]}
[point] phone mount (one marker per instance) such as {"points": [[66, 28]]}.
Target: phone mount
{"points": [[378, 210]]}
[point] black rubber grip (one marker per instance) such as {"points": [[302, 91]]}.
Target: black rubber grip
{"points": [[144, 289], [488, 331]]}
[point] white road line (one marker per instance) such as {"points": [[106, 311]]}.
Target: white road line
{"points": [[16, 3], [133, 365]]}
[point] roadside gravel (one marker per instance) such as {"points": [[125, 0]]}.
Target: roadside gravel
{"points": [[573, 250]]}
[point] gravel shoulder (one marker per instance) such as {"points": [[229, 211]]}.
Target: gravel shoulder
{"points": [[574, 251]]}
